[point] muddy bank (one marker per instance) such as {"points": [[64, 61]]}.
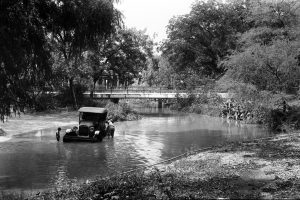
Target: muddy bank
{"points": [[265, 168]]}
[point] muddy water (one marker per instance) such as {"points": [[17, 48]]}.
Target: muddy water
{"points": [[35, 160]]}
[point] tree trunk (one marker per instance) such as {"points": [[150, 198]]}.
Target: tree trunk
{"points": [[75, 105], [93, 89]]}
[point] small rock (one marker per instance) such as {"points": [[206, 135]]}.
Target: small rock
{"points": [[115, 197]]}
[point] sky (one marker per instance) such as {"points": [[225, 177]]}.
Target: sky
{"points": [[152, 15]]}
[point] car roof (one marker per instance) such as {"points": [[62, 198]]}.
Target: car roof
{"points": [[93, 110]]}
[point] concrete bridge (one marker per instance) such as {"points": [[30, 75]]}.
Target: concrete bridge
{"points": [[125, 95], [143, 93]]}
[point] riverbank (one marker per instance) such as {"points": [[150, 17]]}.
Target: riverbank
{"points": [[263, 168]]}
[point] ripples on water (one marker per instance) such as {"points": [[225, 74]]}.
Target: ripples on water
{"points": [[37, 161]]}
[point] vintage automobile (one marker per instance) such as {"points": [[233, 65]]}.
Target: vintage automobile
{"points": [[91, 126]]}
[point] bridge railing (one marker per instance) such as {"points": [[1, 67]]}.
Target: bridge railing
{"points": [[144, 90]]}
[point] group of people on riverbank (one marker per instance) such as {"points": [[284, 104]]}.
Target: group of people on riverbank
{"points": [[234, 111]]}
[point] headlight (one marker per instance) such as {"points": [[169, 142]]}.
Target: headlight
{"points": [[97, 132], [68, 130], [91, 129]]}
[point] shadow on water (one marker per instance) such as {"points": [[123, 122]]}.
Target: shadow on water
{"points": [[35, 160]]}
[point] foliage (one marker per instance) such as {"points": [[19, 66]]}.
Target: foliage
{"points": [[164, 75], [273, 67], [123, 54], [36, 34], [274, 13], [24, 60], [198, 40], [78, 26], [65, 97], [45, 102], [95, 103], [121, 112], [267, 55], [207, 104], [182, 104]]}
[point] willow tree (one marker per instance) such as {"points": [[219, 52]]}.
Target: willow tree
{"points": [[25, 67], [77, 27]]}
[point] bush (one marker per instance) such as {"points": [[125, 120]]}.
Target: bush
{"points": [[200, 104], [45, 102], [94, 103], [65, 97], [121, 112], [184, 103], [293, 117]]}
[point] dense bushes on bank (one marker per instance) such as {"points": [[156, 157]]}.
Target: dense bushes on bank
{"points": [[121, 112], [200, 104], [265, 107]]}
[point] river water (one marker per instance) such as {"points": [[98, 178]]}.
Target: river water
{"points": [[36, 161]]}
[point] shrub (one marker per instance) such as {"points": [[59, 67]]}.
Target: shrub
{"points": [[45, 102], [121, 112], [65, 97], [94, 103]]}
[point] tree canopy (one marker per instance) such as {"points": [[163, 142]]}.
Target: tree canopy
{"points": [[267, 56], [39, 36], [198, 40], [25, 54], [123, 54]]}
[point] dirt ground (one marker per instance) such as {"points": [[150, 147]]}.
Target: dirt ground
{"points": [[265, 169]]}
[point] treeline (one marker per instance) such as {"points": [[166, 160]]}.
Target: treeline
{"points": [[254, 42], [249, 48], [64, 45]]}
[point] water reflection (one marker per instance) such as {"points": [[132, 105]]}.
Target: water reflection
{"points": [[36, 160]]}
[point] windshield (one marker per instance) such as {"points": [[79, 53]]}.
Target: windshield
{"points": [[94, 117]]}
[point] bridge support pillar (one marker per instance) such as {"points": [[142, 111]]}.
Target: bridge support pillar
{"points": [[160, 103]]}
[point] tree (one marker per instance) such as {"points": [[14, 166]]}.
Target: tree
{"points": [[266, 56], [77, 27], [124, 53], [25, 55], [272, 67], [273, 13], [198, 40]]}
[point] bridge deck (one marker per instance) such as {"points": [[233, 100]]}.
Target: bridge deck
{"points": [[98, 95], [145, 95]]}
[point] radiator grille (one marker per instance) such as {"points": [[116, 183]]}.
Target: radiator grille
{"points": [[83, 130]]}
